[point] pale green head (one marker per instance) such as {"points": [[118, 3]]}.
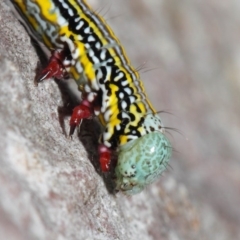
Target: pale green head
{"points": [[141, 162]]}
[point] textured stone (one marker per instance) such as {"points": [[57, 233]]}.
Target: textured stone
{"points": [[51, 187]]}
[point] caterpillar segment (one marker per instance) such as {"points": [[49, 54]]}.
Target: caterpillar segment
{"points": [[85, 49]]}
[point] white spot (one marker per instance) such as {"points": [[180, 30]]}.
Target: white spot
{"points": [[132, 99], [124, 83], [94, 84], [96, 112], [79, 37], [79, 67], [152, 150], [104, 103], [124, 115], [87, 46], [96, 61], [106, 134], [77, 19], [70, 12], [69, 43], [91, 52], [64, 4], [119, 76], [106, 143], [97, 45], [109, 70], [73, 62], [103, 54], [124, 105], [99, 74], [66, 62], [91, 96], [62, 21], [87, 30], [80, 24], [128, 90], [121, 95], [75, 54], [87, 88], [91, 38]]}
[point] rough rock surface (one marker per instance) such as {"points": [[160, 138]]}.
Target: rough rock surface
{"points": [[51, 187]]}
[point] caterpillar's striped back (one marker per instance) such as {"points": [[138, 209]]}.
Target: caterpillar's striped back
{"points": [[91, 54]]}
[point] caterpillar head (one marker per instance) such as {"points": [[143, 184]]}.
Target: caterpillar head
{"points": [[141, 162]]}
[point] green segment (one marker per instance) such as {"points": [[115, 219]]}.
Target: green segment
{"points": [[141, 162]]}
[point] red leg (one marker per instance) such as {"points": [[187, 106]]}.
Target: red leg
{"points": [[82, 111], [104, 157], [55, 67]]}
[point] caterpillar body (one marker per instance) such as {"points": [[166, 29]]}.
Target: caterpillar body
{"points": [[85, 49]]}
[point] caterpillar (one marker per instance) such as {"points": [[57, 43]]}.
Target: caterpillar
{"points": [[84, 48]]}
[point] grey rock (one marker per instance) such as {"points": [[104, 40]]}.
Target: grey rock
{"points": [[51, 186]]}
